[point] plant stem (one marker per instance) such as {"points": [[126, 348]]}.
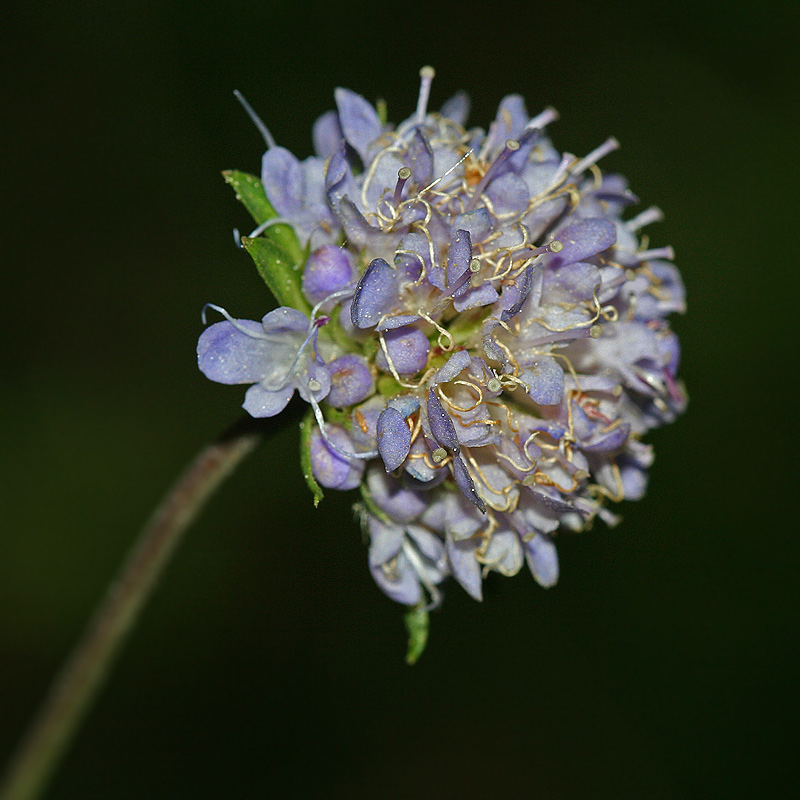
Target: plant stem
{"points": [[82, 675]]}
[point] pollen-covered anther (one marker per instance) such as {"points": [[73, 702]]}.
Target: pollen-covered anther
{"points": [[439, 455], [494, 385]]}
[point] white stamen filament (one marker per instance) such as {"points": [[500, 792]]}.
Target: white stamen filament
{"points": [[608, 146], [257, 121]]}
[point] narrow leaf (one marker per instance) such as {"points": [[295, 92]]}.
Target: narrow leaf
{"points": [[416, 620], [306, 427], [281, 273]]}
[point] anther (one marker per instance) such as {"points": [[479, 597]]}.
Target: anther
{"points": [[555, 246], [403, 174], [580, 475], [314, 385], [439, 455], [494, 385], [475, 265], [529, 480], [595, 331]]}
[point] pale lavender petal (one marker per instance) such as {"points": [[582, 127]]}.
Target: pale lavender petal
{"points": [[359, 120], [477, 223], [283, 181], [542, 558], [454, 366], [464, 566], [326, 134], [226, 355], [392, 497], [483, 295], [261, 402], [457, 108], [284, 319], [582, 240], [545, 377], [330, 468]]}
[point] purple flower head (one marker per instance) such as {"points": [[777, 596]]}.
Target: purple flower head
{"points": [[495, 342]]}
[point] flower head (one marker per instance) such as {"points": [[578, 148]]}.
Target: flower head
{"points": [[488, 341]]}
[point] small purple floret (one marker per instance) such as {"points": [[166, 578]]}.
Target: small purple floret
{"points": [[351, 380], [329, 269], [332, 469], [408, 349]]}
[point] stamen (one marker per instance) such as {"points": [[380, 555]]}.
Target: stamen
{"points": [[543, 118], [341, 293], [403, 174], [652, 214], [512, 145], [659, 252], [427, 75], [264, 225], [321, 422], [608, 146], [246, 331], [257, 121], [475, 265], [494, 385]]}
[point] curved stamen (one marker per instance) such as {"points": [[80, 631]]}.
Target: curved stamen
{"points": [[322, 423], [235, 322], [257, 121], [512, 145]]}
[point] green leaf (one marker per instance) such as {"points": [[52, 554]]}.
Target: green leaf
{"points": [[306, 427], [416, 620], [280, 272], [250, 192]]}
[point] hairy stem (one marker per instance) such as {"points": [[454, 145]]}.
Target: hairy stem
{"points": [[83, 673]]}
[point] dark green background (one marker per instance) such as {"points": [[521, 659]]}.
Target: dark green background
{"points": [[664, 663]]}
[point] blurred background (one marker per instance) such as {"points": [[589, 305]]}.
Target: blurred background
{"points": [[663, 665]]}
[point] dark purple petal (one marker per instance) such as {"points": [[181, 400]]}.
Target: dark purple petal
{"points": [[464, 482], [394, 438], [582, 240], [351, 380], [458, 259], [441, 425], [608, 443], [408, 349], [375, 295], [420, 159], [515, 294], [331, 469], [328, 269]]}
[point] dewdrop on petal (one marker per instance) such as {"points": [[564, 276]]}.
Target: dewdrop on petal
{"points": [[478, 326]]}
